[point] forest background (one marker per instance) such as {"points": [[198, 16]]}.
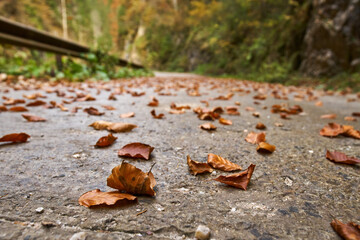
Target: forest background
{"points": [[288, 41]]}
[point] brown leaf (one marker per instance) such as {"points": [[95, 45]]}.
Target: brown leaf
{"points": [[223, 164], [121, 127], [260, 126], [154, 102], [256, 114], [173, 106], [15, 137], [225, 121], [173, 111], [238, 180], [127, 177], [279, 124], [255, 138], [153, 113], [356, 114], [100, 125], [198, 167], [332, 130], [319, 104], [349, 131], [136, 150], [328, 116], [93, 111], [340, 157], [108, 107], [3, 109], [207, 126], [36, 103], [105, 141], [33, 118], [115, 127], [264, 147], [18, 109], [97, 198], [350, 231], [127, 115], [348, 118]]}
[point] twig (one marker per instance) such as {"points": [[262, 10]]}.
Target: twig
{"points": [[4, 195], [141, 212], [151, 168]]}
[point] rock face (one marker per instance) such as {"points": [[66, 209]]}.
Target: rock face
{"points": [[332, 40]]}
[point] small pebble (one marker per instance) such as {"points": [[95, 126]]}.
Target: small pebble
{"points": [[202, 232], [39, 210], [78, 236]]}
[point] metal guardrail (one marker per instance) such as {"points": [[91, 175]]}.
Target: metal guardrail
{"points": [[21, 35]]}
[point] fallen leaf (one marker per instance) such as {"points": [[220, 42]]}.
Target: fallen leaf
{"points": [[349, 131], [207, 126], [129, 178], [350, 231], [348, 118], [121, 127], [33, 118], [260, 126], [232, 110], [3, 109], [154, 102], [93, 111], [265, 147], [36, 103], [108, 107], [223, 164], [356, 114], [160, 116], [18, 109], [332, 130], [100, 125], [198, 167], [105, 141], [173, 106], [328, 116], [136, 150], [15, 137], [256, 114], [279, 124], [225, 121], [98, 198], [115, 127], [255, 138], [319, 104], [238, 180], [127, 115], [340, 157], [173, 111], [237, 103]]}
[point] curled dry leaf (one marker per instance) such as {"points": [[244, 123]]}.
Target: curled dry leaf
{"points": [[223, 164], [265, 147], [356, 114], [105, 141], [225, 121], [349, 131], [100, 125], [238, 180], [127, 115], [136, 150], [108, 107], [256, 114], [328, 116], [255, 138], [198, 167], [350, 231], [174, 106], [260, 126], [15, 137], [18, 109], [115, 127], [174, 111], [154, 102], [129, 178], [332, 130], [98, 198], [349, 118], [3, 109], [208, 126], [33, 118], [340, 157], [93, 111], [153, 113], [36, 103]]}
